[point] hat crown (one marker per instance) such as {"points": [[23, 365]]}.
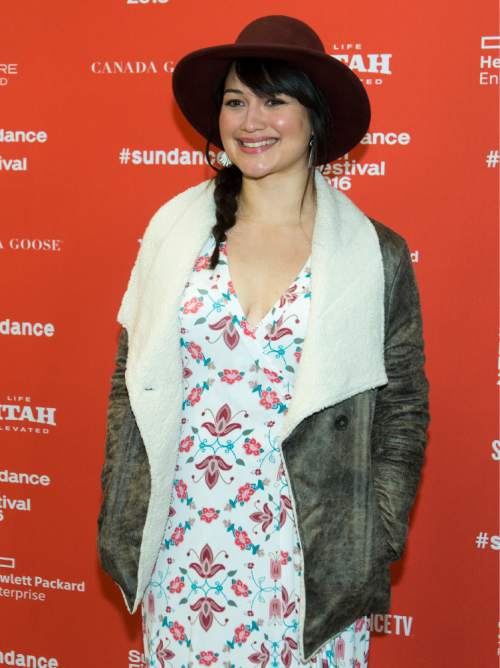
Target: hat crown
{"points": [[280, 30]]}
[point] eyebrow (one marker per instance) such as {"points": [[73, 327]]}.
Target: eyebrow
{"points": [[240, 92]]}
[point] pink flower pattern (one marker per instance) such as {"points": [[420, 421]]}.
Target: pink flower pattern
{"points": [[225, 587], [208, 514]]}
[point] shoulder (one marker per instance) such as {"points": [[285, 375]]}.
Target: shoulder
{"points": [[157, 232], [167, 213], [391, 242], [393, 246], [396, 258], [394, 250]]}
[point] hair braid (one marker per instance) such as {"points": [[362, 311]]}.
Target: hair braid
{"points": [[227, 188]]}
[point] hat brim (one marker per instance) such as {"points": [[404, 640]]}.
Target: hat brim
{"points": [[195, 74]]}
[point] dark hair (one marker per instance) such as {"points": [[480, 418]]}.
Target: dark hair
{"points": [[265, 77]]}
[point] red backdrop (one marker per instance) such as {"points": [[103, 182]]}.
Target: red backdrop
{"points": [[82, 82]]}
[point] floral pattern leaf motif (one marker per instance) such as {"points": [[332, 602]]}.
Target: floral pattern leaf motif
{"points": [[230, 334], [286, 653], [206, 567], [206, 607], [340, 648], [288, 606], [213, 465], [278, 330], [275, 610], [222, 425], [163, 654], [285, 504], [290, 295], [263, 517], [220, 324], [261, 658]]}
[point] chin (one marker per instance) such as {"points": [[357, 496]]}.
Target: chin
{"points": [[255, 172]]}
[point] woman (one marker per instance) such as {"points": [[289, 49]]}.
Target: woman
{"points": [[268, 412]]}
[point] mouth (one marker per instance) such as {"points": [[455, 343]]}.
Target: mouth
{"points": [[256, 145]]}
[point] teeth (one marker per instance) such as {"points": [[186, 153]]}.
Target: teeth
{"points": [[256, 144]]}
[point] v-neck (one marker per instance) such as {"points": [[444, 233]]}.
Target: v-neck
{"points": [[256, 327]]}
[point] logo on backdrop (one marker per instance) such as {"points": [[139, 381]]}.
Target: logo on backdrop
{"points": [[19, 164], [14, 164], [34, 245], [11, 657], [32, 587], [391, 624], [19, 414], [10, 327], [495, 447], [340, 173], [135, 67], [371, 68], [154, 156], [489, 60], [485, 540], [9, 504], [7, 72], [136, 659], [23, 136]]}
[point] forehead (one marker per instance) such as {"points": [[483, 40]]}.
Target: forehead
{"points": [[234, 83]]}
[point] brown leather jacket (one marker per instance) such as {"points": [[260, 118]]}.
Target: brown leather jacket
{"points": [[353, 468]]}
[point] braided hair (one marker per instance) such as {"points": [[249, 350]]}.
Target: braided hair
{"points": [[226, 191], [265, 77]]}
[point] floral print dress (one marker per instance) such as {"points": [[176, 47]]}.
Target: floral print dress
{"points": [[225, 587]]}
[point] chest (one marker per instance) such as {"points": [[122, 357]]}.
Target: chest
{"points": [[263, 264], [212, 320]]}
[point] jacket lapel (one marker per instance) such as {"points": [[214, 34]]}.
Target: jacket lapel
{"points": [[343, 350]]}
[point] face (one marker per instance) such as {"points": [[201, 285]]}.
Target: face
{"points": [[263, 136]]}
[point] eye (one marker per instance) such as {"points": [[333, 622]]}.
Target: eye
{"points": [[237, 102], [229, 103], [275, 101]]}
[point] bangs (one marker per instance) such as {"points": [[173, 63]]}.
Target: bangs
{"points": [[268, 77]]}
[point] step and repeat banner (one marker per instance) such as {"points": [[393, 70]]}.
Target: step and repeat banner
{"points": [[91, 144]]}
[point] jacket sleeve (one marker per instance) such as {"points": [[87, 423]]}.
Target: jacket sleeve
{"points": [[401, 412], [118, 403]]}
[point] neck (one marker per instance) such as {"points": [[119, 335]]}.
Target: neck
{"points": [[258, 198]]}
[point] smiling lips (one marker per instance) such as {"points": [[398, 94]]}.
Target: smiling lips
{"points": [[256, 145]]}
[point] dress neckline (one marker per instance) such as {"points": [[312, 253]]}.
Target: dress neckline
{"points": [[255, 328]]}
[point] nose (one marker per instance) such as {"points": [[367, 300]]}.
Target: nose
{"points": [[254, 118]]}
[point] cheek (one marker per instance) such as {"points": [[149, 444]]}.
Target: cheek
{"points": [[224, 123], [292, 124]]}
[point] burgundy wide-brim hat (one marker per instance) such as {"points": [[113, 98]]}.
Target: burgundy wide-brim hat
{"points": [[286, 38]]}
